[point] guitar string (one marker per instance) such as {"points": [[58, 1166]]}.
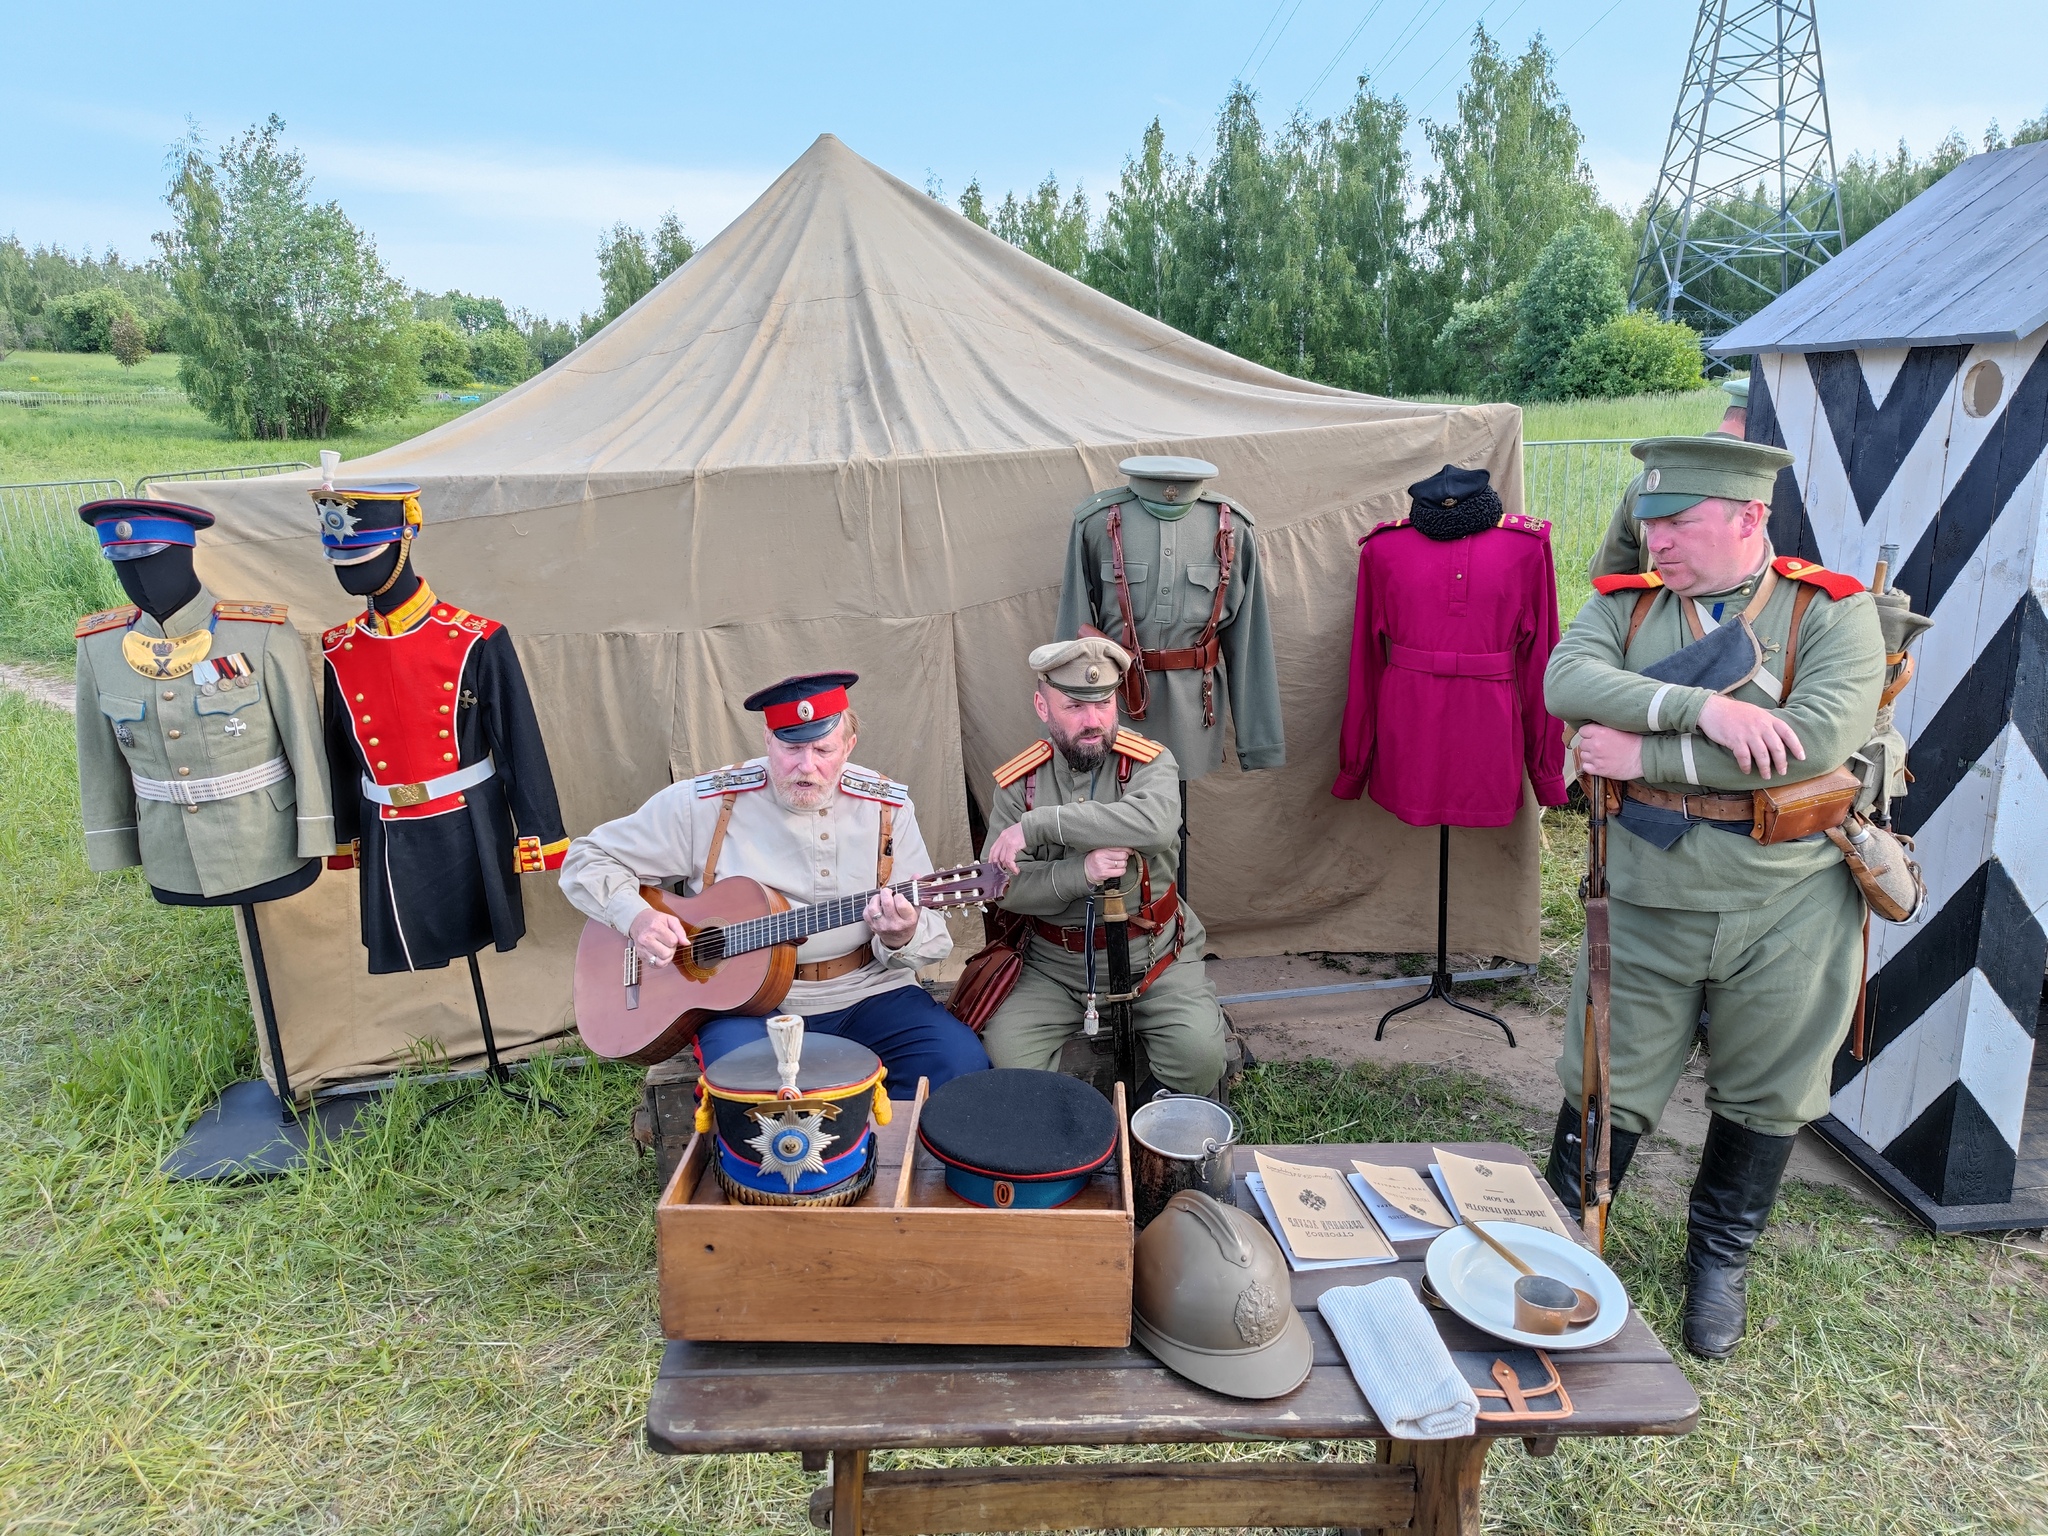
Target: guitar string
{"points": [[792, 926]]}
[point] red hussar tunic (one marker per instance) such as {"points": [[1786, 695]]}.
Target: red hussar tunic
{"points": [[437, 758], [1445, 709]]}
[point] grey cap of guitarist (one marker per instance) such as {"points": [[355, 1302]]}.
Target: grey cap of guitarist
{"points": [[804, 821]]}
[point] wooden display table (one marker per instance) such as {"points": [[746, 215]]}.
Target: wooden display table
{"points": [[848, 1399]]}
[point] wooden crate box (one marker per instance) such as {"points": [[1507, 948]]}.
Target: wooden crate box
{"points": [[910, 1263]]}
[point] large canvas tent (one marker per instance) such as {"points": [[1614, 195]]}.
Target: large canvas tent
{"points": [[850, 433]]}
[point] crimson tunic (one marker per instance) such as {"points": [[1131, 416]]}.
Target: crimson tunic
{"points": [[1445, 710], [440, 875]]}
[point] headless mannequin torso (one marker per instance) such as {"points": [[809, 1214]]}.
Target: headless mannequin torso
{"points": [[161, 584]]}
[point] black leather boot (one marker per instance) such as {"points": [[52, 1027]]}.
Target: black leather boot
{"points": [[1740, 1171], [1563, 1172]]}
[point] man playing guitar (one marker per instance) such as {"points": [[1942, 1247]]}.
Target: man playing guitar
{"points": [[804, 821]]}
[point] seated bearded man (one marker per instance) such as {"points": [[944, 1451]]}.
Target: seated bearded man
{"points": [[805, 822]]}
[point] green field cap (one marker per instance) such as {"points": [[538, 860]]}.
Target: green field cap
{"points": [[1679, 472]]}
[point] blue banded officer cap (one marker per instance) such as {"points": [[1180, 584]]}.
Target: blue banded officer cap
{"points": [[357, 521], [804, 707], [1449, 486], [130, 528]]}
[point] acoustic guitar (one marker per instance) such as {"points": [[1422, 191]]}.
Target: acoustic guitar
{"points": [[741, 959]]}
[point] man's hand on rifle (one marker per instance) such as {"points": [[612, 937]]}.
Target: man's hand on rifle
{"points": [[1106, 864], [1610, 753]]}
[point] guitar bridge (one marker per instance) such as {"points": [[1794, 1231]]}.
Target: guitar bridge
{"points": [[630, 979]]}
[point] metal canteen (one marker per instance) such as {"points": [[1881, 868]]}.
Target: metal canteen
{"points": [[1180, 1141]]}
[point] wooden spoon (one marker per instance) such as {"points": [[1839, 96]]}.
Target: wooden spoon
{"points": [[1589, 1304]]}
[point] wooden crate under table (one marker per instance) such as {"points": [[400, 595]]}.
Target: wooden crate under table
{"points": [[910, 1263]]}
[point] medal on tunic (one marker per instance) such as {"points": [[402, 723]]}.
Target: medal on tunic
{"points": [[236, 725], [168, 657]]}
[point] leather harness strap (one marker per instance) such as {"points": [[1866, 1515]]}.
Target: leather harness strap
{"points": [[726, 802], [1207, 650], [1799, 605], [1693, 807], [885, 858]]}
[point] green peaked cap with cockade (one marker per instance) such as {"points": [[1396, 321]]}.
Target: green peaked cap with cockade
{"points": [[1679, 472]]}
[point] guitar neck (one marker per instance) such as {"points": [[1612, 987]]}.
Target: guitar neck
{"points": [[800, 923]]}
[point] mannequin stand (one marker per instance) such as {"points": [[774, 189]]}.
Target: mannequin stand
{"points": [[496, 1074], [1180, 874], [252, 1132], [1440, 978]]}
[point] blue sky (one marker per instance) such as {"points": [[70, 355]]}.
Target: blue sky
{"points": [[486, 146]]}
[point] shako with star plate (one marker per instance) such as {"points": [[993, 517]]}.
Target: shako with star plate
{"points": [[812, 1144], [1015, 1137]]}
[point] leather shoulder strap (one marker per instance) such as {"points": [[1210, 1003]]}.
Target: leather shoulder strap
{"points": [[1226, 551], [885, 858], [1135, 689], [1801, 600], [725, 804], [1636, 615]]}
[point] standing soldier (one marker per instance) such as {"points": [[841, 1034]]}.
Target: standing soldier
{"points": [[1707, 906], [1089, 805]]}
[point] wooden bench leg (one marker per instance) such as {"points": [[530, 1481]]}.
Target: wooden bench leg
{"points": [[849, 1483], [1447, 1476]]}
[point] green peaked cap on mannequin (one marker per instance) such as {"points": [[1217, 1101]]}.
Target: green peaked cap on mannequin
{"points": [[1680, 472], [1167, 486]]}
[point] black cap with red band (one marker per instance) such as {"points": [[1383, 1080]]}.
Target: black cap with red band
{"points": [[803, 708]]}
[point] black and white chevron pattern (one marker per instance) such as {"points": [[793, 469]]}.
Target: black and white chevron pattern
{"points": [[1885, 453]]}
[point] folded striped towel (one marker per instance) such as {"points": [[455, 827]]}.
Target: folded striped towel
{"points": [[1399, 1360]]}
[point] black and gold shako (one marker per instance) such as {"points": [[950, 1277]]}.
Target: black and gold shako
{"points": [[792, 1117]]}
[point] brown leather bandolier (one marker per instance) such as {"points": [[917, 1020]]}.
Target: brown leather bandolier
{"points": [[1595, 1140], [1207, 650]]}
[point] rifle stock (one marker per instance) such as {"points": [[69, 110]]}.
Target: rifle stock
{"points": [[1596, 1143]]}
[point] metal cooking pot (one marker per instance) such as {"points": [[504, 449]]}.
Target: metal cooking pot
{"points": [[1181, 1141]]}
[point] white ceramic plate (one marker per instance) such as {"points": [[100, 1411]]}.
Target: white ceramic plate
{"points": [[1479, 1285]]}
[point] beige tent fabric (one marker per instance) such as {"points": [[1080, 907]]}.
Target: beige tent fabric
{"points": [[851, 432]]}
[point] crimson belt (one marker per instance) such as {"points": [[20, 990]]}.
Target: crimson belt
{"points": [[1491, 664]]}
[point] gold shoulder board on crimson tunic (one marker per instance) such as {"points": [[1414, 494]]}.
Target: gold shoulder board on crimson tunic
{"points": [[1834, 583], [1647, 581], [873, 786], [105, 619], [1522, 524], [734, 779], [252, 613], [1139, 749], [1033, 757]]}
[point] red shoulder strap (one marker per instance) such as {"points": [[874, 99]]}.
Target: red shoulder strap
{"points": [[1608, 585], [1834, 583]]}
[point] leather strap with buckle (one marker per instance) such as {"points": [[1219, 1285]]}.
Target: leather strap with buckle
{"points": [[432, 789], [1147, 919], [836, 967], [1197, 658], [1740, 808]]}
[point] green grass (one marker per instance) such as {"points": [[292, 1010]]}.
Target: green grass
{"points": [[1686, 415], [457, 1332], [154, 435]]}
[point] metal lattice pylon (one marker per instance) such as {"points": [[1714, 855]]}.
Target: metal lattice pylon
{"points": [[1747, 202]]}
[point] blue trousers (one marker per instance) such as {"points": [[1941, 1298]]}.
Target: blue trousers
{"points": [[912, 1034]]}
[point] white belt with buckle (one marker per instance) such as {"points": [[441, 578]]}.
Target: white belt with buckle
{"points": [[433, 789], [225, 786]]}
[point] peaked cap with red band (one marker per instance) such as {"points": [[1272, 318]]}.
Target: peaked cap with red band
{"points": [[805, 707]]}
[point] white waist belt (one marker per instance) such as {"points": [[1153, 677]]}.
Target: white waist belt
{"points": [[224, 787], [433, 789]]}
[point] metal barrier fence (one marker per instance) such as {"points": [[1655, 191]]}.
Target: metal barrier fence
{"points": [[149, 395], [233, 472], [1575, 483], [38, 518]]}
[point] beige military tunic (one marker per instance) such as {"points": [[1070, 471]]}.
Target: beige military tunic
{"points": [[809, 856], [214, 781], [1071, 815]]}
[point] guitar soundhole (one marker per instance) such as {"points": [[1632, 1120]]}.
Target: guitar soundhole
{"points": [[707, 952]]}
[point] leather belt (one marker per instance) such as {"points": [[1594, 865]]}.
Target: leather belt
{"points": [[1452, 663], [1196, 658], [226, 786], [1146, 920], [836, 967], [1740, 808], [432, 789]]}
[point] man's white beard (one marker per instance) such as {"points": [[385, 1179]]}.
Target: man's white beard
{"points": [[799, 797]]}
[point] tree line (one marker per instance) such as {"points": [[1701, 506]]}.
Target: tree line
{"points": [[1319, 248]]}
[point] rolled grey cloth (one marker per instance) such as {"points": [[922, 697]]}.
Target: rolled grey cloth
{"points": [[1399, 1360]]}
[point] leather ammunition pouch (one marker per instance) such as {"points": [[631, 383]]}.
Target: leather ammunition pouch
{"points": [[1793, 811]]}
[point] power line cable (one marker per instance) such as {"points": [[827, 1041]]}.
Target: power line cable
{"points": [[1268, 54], [1438, 96], [1247, 64], [1590, 30], [1409, 33], [1342, 49]]}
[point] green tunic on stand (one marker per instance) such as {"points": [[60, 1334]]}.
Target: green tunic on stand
{"points": [[1768, 939], [1171, 567], [1073, 814], [184, 731]]}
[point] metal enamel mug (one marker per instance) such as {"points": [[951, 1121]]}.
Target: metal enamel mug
{"points": [[1180, 1141]]}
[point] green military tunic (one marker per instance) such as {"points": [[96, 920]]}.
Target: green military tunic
{"points": [[1072, 814], [1768, 939], [1621, 552], [1171, 567], [154, 750]]}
